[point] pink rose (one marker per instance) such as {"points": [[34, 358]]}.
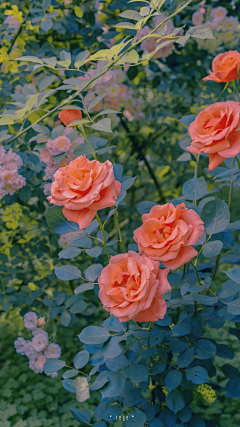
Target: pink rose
{"points": [[168, 233], [83, 187], [215, 132], [131, 287]]}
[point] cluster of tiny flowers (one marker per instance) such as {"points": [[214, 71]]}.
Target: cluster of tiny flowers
{"points": [[117, 94], [149, 45], [10, 180], [54, 147], [225, 28], [38, 350]]}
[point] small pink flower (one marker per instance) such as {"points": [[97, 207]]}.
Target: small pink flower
{"points": [[45, 155], [30, 320], [20, 345], [197, 18], [59, 145], [219, 13], [202, 10], [29, 351], [53, 351], [39, 342], [37, 364]]}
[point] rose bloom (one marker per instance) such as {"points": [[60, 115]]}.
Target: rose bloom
{"points": [[30, 320], [131, 287], [226, 67], [215, 131], [83, 187], [69, 115], [168, 233]]}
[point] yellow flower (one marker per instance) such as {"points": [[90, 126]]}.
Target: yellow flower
{"points": [[207, 392]]}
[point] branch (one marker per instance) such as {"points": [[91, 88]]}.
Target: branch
{"points": [[142, 157]]}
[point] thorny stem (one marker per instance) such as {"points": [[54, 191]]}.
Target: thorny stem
{"points": [[111, 65], [238, 161], [104, 235]]}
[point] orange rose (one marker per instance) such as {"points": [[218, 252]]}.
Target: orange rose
{"points": [[167, 234], [226, 67], [83, 187], [68, 116], [131, 287], [215, 131]]}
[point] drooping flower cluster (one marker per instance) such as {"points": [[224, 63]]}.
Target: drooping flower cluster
{"points": [[54, 147], [10, 180], [117, 93], [38, 349], [150, 44], [225, 28]]}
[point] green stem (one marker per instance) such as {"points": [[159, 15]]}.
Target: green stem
{"points": [[111, 65], [196, 270], [184, 271], [119, 232], [88, 143], [196, 173], [216, 267], [104, 235]]}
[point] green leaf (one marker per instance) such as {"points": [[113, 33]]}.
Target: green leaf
{"points": [[131, 14], [96, 100], [104, 125], [107, 111], [84, 287], [65, 318], [132, 57], [127, 25], [29, 59], [81, 59], [67, 272], [46, 25], [7, 120], [53, 365], [59, 157], [201, 32], [58, 222]]}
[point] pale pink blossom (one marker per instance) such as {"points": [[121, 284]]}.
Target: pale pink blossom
{"points": [[59, 145], [53, 351], [37, 363], [30, 320], [12, 22], [45, 155], [197, 18], [67, 237], [20, 345], [52, 374], [39, 342], [219, 13], [30, 352]]}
